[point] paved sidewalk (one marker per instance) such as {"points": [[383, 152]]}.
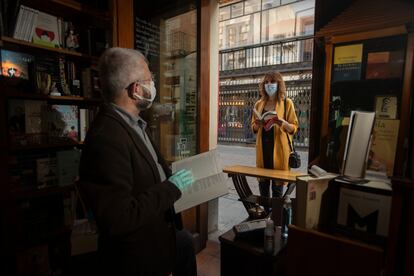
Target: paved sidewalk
{"points": [[231, 211]]}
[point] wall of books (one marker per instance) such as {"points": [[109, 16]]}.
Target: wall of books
{"points": [[238, 96], [49, 96]]}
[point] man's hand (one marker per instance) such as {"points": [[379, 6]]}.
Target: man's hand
{"points": [[182, 179]]}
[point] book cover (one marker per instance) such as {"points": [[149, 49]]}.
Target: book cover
{"points": [[68, 166], [347, 62], [47, 74], [385, 65], [46, 171], [46, 30], [384, 145], [63, 121], [15, 64], [33, 116]]}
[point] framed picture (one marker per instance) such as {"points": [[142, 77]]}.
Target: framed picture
{"points": [[386, 107]]}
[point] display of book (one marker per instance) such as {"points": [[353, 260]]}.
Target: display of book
{"points": [[384, 144], [63, 121], [46, 171], [15, 64], [383, 65]]}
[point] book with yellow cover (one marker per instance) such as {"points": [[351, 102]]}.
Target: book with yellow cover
{"points": [[384, 144]]}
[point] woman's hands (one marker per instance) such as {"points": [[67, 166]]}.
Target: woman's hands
{"points": [[283, 124]]}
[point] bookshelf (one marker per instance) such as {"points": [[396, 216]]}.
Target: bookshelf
{"points": [[381, 65], [39, 153]]}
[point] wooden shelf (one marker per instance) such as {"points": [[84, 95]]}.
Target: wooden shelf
{"points": [[33, 96], [46, 146], [69, 6], [5, 40], [41, 192]]}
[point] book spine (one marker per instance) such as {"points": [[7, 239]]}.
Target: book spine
{"points": [[18, 25]]}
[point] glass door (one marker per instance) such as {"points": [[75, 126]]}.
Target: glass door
{"points": [[166, 33]]}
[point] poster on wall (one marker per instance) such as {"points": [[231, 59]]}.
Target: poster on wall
{"points": [[347, 63]]}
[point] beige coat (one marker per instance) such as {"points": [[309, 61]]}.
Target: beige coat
{"points": [[281, 149]]}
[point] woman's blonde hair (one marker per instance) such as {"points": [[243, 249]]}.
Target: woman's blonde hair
{"points": [[281, 88]]}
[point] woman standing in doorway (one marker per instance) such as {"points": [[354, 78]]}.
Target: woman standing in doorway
{"points": [[272, 146]]}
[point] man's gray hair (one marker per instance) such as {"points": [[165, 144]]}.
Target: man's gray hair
{"points": [[119, 67]]}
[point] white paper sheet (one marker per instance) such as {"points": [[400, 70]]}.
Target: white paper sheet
{"points": [[209, 180]]}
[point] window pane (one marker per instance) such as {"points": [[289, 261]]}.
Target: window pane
{"points": [[251, 6], [279, 23], [305, 22], [224, 13], [172, 119], [267, 4], [240, 31], [237, 9]]}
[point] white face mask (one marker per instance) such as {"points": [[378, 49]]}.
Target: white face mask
{"points": [[271, 88], [147, 101]]}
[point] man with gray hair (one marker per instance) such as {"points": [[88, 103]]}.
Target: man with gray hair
{"points": [[126, 182]]}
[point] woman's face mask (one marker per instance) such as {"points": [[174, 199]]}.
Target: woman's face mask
{"points": [[271, 88]]}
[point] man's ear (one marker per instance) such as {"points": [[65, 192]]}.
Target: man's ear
{"points": [[133, 89]]}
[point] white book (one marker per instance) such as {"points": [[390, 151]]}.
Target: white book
{"points": [[33, 24], [18, 26], [358, 143], [263, 116], [26, 18]]}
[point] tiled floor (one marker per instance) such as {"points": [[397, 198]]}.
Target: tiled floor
{"points": [[208, 260]]}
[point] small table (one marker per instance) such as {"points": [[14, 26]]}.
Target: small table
{"points": [[278, 175], [245, 256], [238, 174]]}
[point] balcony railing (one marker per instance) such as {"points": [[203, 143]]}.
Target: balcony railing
{"points": [[274, 53]]}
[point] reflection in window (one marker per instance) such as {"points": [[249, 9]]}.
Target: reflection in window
{"points": [[240, 31], [267, 4], [251, 6], [174, 116], [224, 13], [237, 9], [305, 22], [279, 23]]}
